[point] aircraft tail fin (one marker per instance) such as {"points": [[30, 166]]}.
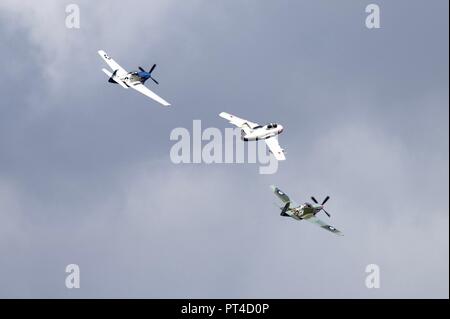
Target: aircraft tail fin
{"points": [[112, 79], [285, 208]]}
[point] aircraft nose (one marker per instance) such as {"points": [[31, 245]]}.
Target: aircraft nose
{"points": [[281, 128]]}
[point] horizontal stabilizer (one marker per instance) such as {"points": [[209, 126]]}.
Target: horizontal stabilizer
{"points": [[114, 78], [109, 74]]}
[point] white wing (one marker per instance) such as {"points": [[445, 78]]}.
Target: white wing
{"points": [[324, 225], [277, 151], [144, 90], [238, 121], [112, 64]]}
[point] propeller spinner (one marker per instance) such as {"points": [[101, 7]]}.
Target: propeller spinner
{"points": [[149, 72]]}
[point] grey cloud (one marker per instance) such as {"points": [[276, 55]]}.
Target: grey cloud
{"points": [[85, 175]]}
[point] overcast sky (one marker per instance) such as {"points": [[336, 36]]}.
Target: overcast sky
{"points": [[86, 177]]}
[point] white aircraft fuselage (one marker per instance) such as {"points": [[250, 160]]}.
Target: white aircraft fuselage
{"points": [[251, 131], [262, 132], [131, 78]]}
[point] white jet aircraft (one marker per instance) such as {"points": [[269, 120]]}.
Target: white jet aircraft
{"points": [[134, 79], [305, 211], [253, 132]]}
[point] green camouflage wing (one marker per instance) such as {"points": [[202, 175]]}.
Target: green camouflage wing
{"points": [[324, 225], [282, 196]]}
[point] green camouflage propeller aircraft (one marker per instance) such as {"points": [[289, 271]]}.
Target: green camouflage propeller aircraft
{"points": [[305, 211]]}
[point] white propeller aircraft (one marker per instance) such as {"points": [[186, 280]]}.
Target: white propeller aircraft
{"points": [[305, 211], [134, 79], [252, 132]]}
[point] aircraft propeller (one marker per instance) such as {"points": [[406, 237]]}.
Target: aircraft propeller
{"points": [[149, 72], [323, 202]]}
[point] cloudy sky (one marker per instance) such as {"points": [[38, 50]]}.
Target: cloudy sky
{"points": [[86, 177]]}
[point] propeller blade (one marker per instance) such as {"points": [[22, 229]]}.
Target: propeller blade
{"points": [[314, 200], [141, 68], [326, 212], [325, 200], [153, 67], [154, 80]]}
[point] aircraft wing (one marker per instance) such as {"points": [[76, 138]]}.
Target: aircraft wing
{"points": [[112, 64], [146, 91], [241, 123], [324, 225], [277, 151], [282, 196]]}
